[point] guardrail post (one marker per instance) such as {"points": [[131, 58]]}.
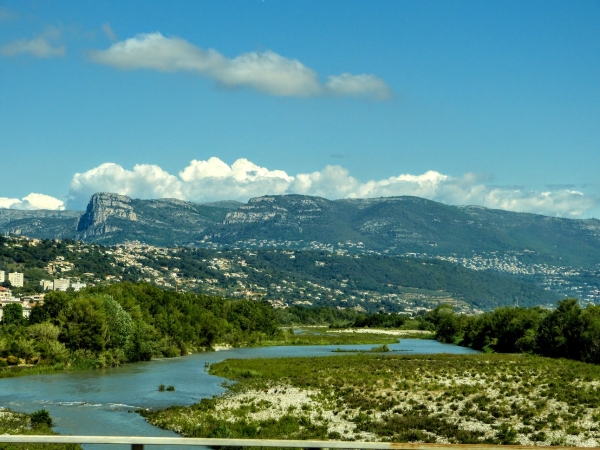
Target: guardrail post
{"points": [[137, 446]]}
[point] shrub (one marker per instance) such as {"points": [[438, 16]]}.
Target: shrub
{"points": [[41, 417]]}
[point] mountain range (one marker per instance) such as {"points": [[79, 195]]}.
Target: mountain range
{"points": [[392, 225]]}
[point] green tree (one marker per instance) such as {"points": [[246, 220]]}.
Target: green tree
{"points": [[38, 314], [84, 324], [590, 334], [559, 333], [12, 314], [54, 303], [449, 327], [119, 324]]}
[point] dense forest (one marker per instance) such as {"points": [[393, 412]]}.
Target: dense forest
{"points": [[126, 322]]}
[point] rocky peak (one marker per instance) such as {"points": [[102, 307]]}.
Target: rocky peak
{"points": [[104, 205]]}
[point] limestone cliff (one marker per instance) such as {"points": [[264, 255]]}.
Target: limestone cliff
{"points": [[102, 206]]}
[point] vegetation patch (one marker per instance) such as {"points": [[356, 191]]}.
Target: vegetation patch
{"points": [[37, 423], [488, 398], [327, 336]]}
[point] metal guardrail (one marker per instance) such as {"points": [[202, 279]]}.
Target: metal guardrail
{"points": [[138, 442]]}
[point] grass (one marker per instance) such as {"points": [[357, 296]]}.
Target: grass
{"points": [[37, 423], [21, 371], [488, 398], [326, 336]]}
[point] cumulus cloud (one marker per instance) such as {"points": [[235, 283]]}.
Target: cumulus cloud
{"points": [[43, 46], [266, 72], [6, 202], [144, 181], [213, 179], [32, 201]]}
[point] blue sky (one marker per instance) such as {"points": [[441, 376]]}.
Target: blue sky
{"points": [[494, 103]]}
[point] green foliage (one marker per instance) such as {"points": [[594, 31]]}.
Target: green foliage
{"points": [[38, 315], [567, 332], [12, 314], [54, 303], [41, 417], [84, 324], [37, 423], [119, 326], [44, 332], [108, 326]]}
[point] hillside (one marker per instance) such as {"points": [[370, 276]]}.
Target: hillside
{"points": [[301, 277], [559, 255]]}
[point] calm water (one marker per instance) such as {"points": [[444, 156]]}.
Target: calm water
{"points": [[100, 402]]}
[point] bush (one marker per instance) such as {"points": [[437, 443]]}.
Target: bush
{"points": [[41, 417]]}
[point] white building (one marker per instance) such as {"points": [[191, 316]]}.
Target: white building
{"points": [[16, 279], [46, 285], [78, 285], [61, 284], [2, 276], [5, 293], [25, 305]]}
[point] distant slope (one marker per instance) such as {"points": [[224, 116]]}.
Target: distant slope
{"points": [[410, 224], [394, 225], [42, 224], [370, 282], [383, 274]]}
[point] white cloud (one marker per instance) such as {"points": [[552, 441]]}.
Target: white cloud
{"points": [[42, 46], [266, 72], [144, 181], [109, 32], [6, 203], [32, 201], [368, 86], [213, 179]]}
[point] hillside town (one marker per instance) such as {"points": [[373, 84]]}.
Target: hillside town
{"points": [[233, 274]]}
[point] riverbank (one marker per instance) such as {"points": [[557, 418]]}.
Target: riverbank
{"points": [[20, 423], [314, 335], [323, 335], [506, 399]]}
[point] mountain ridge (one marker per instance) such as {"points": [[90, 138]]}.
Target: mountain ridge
{"points": [[390, 225]]}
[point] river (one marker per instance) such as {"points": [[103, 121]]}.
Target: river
{"points": [[101, 402]]}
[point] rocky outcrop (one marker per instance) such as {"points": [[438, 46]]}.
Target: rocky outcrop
{"points": [[102, 206], [43, 224]]}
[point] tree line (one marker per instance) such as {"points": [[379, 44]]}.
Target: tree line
{"points": [[569, 331], [127, 322]]}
